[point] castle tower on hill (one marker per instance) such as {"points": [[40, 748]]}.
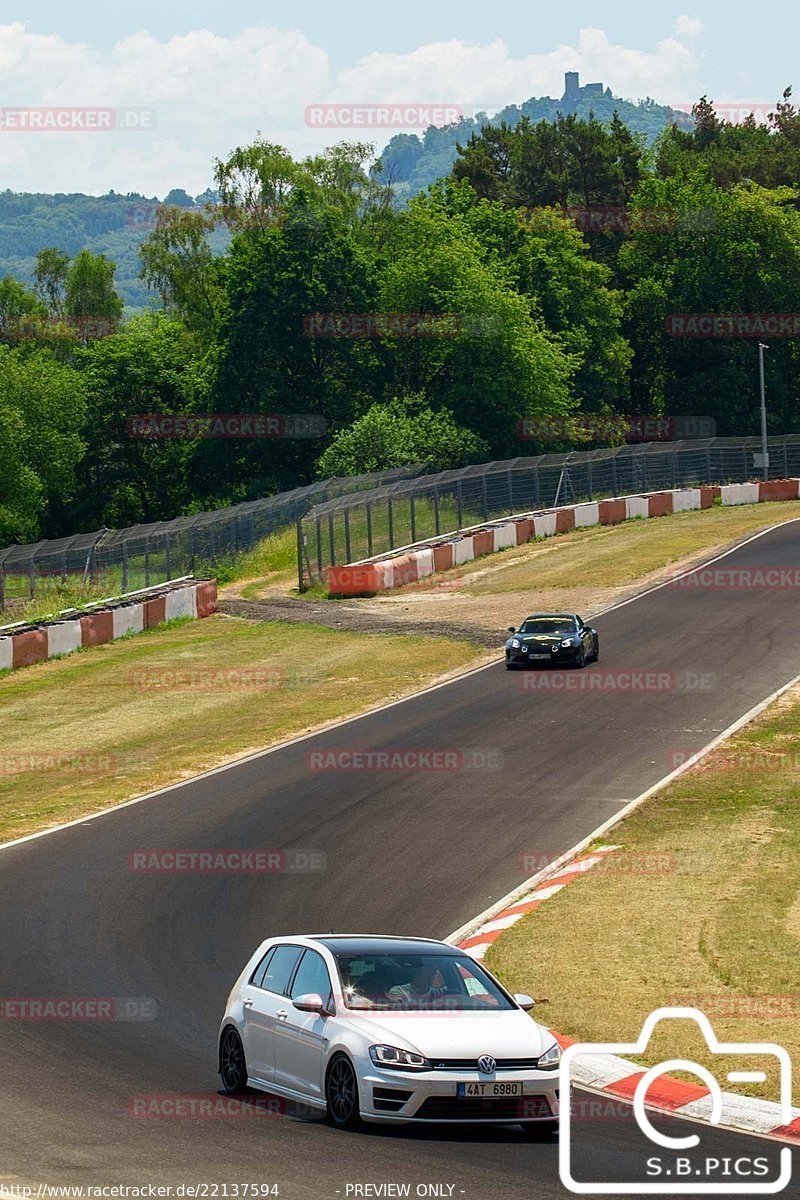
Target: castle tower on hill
{"points": [[574, 93]]}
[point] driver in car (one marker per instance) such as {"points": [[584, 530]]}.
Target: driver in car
{"points": [[425, 984]]}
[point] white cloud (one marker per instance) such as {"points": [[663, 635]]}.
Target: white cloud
{"points": [[211, 93], [688, 26]]}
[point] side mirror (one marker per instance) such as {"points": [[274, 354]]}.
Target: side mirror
{"points": [[526, 1002], [310, 1002], [512, 629]]}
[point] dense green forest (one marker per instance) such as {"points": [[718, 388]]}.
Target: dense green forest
{"points": [[418, 334]]}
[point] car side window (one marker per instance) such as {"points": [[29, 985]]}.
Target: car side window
{"points": [[279, 969], [257, 978], [312, 976]]}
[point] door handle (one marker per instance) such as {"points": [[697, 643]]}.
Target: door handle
{"points": [[282, 1014], [247, 1004]]}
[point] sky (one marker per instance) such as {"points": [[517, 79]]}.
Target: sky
{"points": [[172, 85]]}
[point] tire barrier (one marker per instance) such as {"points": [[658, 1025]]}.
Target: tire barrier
{"points": [[441, 554], [22, 645]]}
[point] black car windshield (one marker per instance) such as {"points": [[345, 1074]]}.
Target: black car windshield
{"points": [[418, 982], [555, 626]]}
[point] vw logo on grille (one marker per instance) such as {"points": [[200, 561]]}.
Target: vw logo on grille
{"points": [[486, 1064]]}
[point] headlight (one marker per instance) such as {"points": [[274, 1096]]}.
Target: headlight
{"points": [[401, 1060], [515, 643], [550, 1059], [567, 642]]}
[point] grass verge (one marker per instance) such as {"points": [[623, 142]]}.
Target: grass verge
{"points": [[701, 906], [97, 727]]}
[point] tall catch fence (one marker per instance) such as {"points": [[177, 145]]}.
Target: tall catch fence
{"points": [[122, 560], [349, 528]]}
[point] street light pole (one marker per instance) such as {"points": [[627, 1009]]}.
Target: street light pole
{"points": [[764, 451]]}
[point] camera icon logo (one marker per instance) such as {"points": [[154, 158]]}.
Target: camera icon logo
{"points": [[678, 1171]]}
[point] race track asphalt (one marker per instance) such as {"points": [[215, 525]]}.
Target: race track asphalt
{"points": [[413, 852]]}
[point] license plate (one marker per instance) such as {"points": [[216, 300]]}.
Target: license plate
{"points": [[489, 1089], [539, 655]]}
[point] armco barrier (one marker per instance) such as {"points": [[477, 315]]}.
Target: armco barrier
{"points": [[155, 611], [128, 618], [30, 646], [415, 562], [63, 638], [97, 628], [22, 645]]}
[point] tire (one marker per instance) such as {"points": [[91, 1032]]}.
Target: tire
{"points": [[540, 1131], [341, 1094], [596, 652], [232, 1065], [580, 660], [510, 666]]}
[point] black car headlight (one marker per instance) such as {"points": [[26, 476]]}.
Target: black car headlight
{"points": [[397, 1059], [550, 1059], [569, 642], [515, 644]]}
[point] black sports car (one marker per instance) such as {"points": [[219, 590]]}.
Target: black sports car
{"points": [[552, 638]]}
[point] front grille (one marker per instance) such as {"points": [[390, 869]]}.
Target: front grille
{"points": [[471, 1064], [477, 1108], [389, 1099]]}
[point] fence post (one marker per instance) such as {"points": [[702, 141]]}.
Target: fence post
{"points": [[413, 516], [436, 508], [168, 558], [369, 530], [484, 498], [591, 487], [391, 523], [348, 555], [510, 493], [124, 566], [32, 577], [2, 582], [614, 483], [785, 461], [318, 521], [674, 470], [537, 496], [300, 578], [459, 505], [331, 545]]}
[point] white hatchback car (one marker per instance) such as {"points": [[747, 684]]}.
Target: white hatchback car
{"points": [[387, 1029]]}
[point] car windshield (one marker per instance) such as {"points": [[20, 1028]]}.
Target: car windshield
{"points": [[418, 982], [556, 626]]}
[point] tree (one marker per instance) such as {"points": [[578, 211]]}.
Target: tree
{"points": [[42, 411], [401, 433], [50, 275], [89, 289]]}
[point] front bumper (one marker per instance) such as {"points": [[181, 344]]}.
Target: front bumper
{"points": [[431, 1097], [564, 654]]}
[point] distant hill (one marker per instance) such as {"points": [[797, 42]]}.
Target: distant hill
{"points": [[116, 224], [411, 163], [113, 225]]}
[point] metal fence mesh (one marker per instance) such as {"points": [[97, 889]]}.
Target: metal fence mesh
{"points": [[350, 528], [121, 560]]}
